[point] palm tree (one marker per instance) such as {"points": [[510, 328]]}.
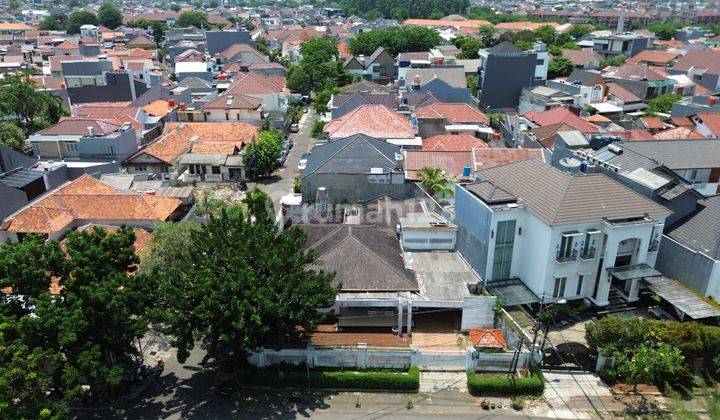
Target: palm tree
{"points": [[434, 181]]}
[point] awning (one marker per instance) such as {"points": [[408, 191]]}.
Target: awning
{"points": [[681, 298], [629, 272], [514, 291]]}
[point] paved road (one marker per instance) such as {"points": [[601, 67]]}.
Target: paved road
{"points": [[282, 180]]}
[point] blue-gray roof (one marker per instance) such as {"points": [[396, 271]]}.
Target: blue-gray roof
{"points": [[356, 154]]}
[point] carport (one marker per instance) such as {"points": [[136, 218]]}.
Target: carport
{"points": [[685, 302]]}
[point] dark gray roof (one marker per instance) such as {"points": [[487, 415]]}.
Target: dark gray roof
{"points": [[365, 86], [86, 68], [506, 47], [680, 154], [587, 78], [700, 231], [356, 154], [10, 159], [681, 297], [20, 177], [377, 53], [364, 258], [388, 99], [558, 198], [445, 93], [490, 193]]}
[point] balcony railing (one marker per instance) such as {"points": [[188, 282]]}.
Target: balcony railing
{"points": [[563, 257], [654, 246], [588, 254]]}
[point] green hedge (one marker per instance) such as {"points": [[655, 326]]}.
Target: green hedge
{"points": [[334, 378], [481, 385]]}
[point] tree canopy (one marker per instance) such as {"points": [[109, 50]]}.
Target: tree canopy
{"points": [[261, 156], [54, 22], [13, 137], [83, 336], [251, 287], [560, 67], [319, 62], [399, 9], [395, 40], [78, 19], [662, 103], [435, 182], [469, 46], [109, 16], [30, 109], [196, 19]]}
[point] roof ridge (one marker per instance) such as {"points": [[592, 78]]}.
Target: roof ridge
{"points": [[372, 252], [334, 154]]}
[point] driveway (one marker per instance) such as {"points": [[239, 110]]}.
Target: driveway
{"points": [[281, 183]]}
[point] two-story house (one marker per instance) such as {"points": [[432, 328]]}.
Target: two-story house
{"points": [[563, 236], [379, 67]]}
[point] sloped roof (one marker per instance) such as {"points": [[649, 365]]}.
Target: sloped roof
{"points": [[654, 56], [141, 40], [453, 113], [580, 57], [680, 154], [490, 157], [376, 121], [702, 59], [355, 154], [622, 93], [712, 122], [678, 133], [78, 126], [86, 198], [487, 338], [701, 230], [521, 26], [467, 23], [233, 101], [453, 76], [236, 49], [254, 83], [652, 123], [558, 198], [452, 163], [364, 258], [561, 115], [453, 142]]}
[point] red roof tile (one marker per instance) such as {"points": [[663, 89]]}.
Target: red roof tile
{"points": [[453, 142], [561, 115], [78, 126], [653, 56], [711, 121], [375, 121], [490, 157], [678, 133], [454, 113], [253, 83], [450, 162], [652, 123]]}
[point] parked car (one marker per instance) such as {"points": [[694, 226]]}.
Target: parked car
{"points": [[283, 157], [294, 128], [288, 143], [302, 164]]}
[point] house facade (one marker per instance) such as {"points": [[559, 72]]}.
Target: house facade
{"points": [[570, 237]]}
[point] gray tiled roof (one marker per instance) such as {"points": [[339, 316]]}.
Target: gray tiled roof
{"points": [[490, 193], [701, 231], [680, 154], [364, 258], [352, 155], [558, 198]]}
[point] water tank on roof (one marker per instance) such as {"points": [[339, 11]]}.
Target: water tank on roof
{"points": [[466, 170]]}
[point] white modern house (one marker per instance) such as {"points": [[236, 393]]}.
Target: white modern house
{"points": [[559, 235]]}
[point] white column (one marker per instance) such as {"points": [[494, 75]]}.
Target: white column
{"points": [[361, 361], [409, 317], [400, 314]]}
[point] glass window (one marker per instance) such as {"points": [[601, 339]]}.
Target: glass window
{"points": [[504, 240], [566, 246], [559, 289], [580, 284], [216, 169]]}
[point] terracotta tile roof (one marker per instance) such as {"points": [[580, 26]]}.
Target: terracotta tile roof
{"points": [[236, 49], [87, 199], [453, 142], [114, 112], [253, 83], [158, 108], [637, 72], [49, 82], [10, 26], [681, 122], [468, 23], [521, 26], [450, 162], [491, 157], [454, 113], [581, 57], [703, 59], [678, 133], [561, 115], [711, 121], [166, 148], [487, 338], [597, 118], [78, 126], [622, 93], [652, 123], [376, 121], [638, 134], [55, 61], [654, 56], [343, 49], [203, 137], [268, 65], [67, 45], [546, 134]]}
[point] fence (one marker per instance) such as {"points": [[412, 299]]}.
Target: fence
{"points": [[362, 357]]}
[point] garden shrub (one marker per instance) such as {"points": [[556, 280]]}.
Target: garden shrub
{"points": [[481, 385], [383, 379], [608, 375]]}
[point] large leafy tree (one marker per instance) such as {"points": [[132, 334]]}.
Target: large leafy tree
{"points": [[298, 80], [84, 335], [29, 108], [13, 137], [261, 156], [662, 103], [196, 19], [650, 364], [559, 67], [250, 287], [435, 182], [78, 19], [401, 9], [54, 22], [109, 16], [320, 66], [395, 40]]}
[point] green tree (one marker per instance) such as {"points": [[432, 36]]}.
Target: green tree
{"points": [[469, 46], [251, 287], [54, 22], [158, 31], [13, 137], [170, 243], [29, 108], [546, 34], [263, 45], [316, 51], [471, 83], [196, 19], [612, 60], [435, 182], [261, 156], [650, 365], [175, 7], [140, 23], [395, 40], [322, 98], [109, 16], [664, 30], [487, 36], [317, 129], [662, 103], [78, 19], [560, 67], [578, 31]]}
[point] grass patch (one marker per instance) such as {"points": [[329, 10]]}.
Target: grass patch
{"points": [[334, 378], [501, 385]]}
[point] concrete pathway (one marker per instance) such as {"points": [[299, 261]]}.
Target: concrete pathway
{"points": [[578, 395], [432, 381]]}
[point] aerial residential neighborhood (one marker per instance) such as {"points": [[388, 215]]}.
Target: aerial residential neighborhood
{"points": [[359, 209]]}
